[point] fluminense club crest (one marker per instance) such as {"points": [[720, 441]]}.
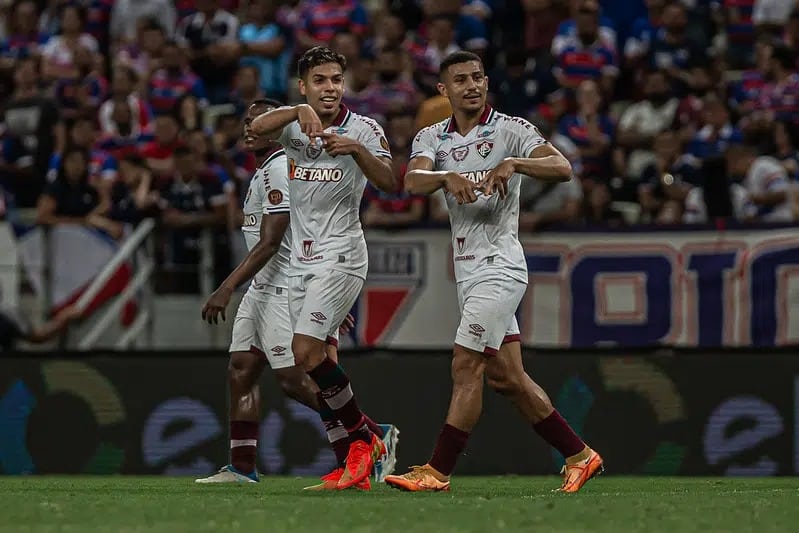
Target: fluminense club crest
{"points": [[484, 148]]}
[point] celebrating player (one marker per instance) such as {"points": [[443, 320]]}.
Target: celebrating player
{"points": [[472, 155], [262, 330], [331, 152]]}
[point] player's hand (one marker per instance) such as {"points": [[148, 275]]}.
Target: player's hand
{"points": [[461, 188], [216, 305], [310, 124], [348, 325], [336, 145], [497, 179]]}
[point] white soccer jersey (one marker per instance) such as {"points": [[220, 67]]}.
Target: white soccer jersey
{"points": [[268, 195], [767, 175], [485, 234], [326, 195]]}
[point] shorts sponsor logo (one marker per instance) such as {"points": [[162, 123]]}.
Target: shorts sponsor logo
{"points": [[318, 318], [484, 148], [278, 350], [328, 175], [460, 153], [297, 143], [476, 329], [307, 252], [275, 197]]}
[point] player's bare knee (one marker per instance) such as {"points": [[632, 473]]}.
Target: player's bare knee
{"points": [[503, 380], [292, 382], [243, 369], [308, 351], [468, 367]]}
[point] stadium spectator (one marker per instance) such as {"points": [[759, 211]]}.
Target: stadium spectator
{"points": [[666, 181], [717, 134], [159, 153], [125, 11], [470, 33], [349, 45], [392, 210], [83, 134], [543, 204], [765, 181], [584, 14], [246, 88], [123, 91], [779, 99], [266, 45], [84, 91], [320, 20], [190, 114], [31, 122], [541, 21], [173, 80], [786, 147], [360, 95], [740, 31], [24, 38], [210, 37], [637, 45], [132, 196], [395, 92], [592, 131], [522, 84], [59, 52], [70, 198], [191, 201], [642, 121], [585, 55], [439, 44], [145, 54], [673, 49]]}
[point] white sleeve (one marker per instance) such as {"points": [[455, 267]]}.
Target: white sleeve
{"points": [[523, 137], [374, 138], [424, 144], [276, 186]]}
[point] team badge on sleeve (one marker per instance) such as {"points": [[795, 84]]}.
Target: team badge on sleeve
{"points": [[484, 148], [275, 197]]}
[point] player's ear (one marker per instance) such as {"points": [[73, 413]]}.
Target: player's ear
{"points": [[301, 85], [442, 89]]}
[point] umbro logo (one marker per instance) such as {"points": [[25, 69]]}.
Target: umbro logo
{"points": [[297, 143], [318, 318], [279, 350], [477, 328]]}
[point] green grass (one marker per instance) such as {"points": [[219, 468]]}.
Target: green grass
{"points": [[613, 504]]}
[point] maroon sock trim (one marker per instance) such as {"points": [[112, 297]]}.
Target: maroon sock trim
{"points": [[559, 434], [451, 442]]}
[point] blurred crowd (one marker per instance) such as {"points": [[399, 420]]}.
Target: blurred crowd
{"points": [[670, 111]]}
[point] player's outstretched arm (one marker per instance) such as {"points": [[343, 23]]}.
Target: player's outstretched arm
{"points": [[420, 178], [545, 163], [376, 169], [271, 123], [273, 228]]}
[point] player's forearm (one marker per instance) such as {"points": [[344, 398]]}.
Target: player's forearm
{"points": [[377, 171], [548, 168], [257, 259], [770, 198], [424, 181], [271, 123]]}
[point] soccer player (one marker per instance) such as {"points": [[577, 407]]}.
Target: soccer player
{"points": [[472, 155], [262, 330], [331, 153]]}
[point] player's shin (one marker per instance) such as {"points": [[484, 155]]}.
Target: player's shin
{"points": [[338, 395], [243, 372], [466, 404]]}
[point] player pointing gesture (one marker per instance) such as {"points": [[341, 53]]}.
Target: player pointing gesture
{"points": [[479, 149], [331, 154]]}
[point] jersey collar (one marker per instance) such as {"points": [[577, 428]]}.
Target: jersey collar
{"points": [[342, 117], [485, 118]]}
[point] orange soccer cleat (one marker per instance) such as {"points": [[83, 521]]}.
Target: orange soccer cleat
{"points": [[361, 461], [419, 479], [330, 482], [576, 475]]}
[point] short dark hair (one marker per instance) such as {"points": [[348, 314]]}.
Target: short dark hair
{"points": [[271, 102], [182, 150], [784, 55], [319, 55], [457, 58]]}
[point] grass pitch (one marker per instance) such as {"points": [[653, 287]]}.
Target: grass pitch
{"points": [[488, 504]]}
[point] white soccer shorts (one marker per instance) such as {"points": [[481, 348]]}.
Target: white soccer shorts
{"points": [[488, 313], [319, 302], [262, 325]]}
